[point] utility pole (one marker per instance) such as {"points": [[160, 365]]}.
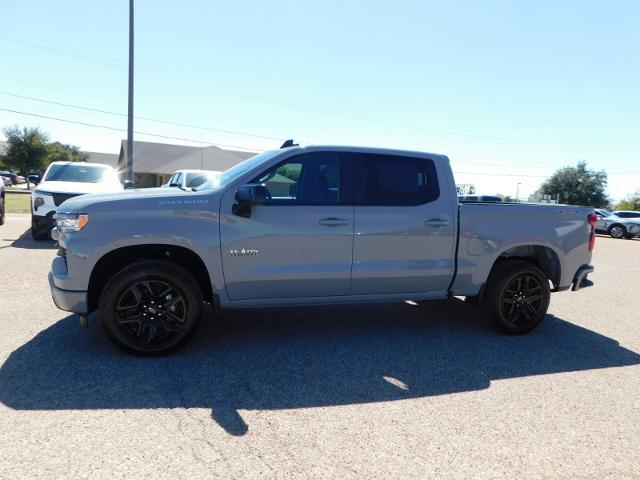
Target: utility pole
{"points": [[518, 192], [129, 167]]}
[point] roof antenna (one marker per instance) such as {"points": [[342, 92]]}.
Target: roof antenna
{"points": [[289, 143]]}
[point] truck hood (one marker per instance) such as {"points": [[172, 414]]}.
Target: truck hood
{"points": [[140, 199], [77, 188]]}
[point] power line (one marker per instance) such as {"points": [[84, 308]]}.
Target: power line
{"points": [[502, 174], [79, 50], [76, 93], [465, 162], [167, 122], [106, 127], [242, 147], [208, 143], [269, 98]]}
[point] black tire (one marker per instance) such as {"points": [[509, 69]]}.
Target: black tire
{"points": [[516, 296], [161, 318], [617, 231], [2, 213], [38, 235]]}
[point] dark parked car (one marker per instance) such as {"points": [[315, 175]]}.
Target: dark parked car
{"points": [[12, 176], [480, 198], [2, 197], [34, 178]]}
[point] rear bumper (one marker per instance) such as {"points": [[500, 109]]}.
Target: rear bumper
{"points": [[580, 279], [70, 301]]}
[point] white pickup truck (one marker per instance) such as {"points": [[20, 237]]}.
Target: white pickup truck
{"points": [[310, 225]]}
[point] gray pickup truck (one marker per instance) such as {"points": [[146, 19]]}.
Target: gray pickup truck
{"points": [[304, 226]]}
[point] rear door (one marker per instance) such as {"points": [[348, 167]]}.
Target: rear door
{"points": [[298, 244], [404, 228]]}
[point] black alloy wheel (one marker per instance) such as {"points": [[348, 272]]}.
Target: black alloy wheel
{"points": [[516, 297], [151, 307], [151, 311], [521, 300]]}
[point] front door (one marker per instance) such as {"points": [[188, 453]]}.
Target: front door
{"points": [[298, 244], [404, 228]]}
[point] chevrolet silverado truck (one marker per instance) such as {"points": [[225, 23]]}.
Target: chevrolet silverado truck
{"points": [[304, 226]]}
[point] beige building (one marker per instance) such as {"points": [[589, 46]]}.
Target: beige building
{"points": [[154, 163]]}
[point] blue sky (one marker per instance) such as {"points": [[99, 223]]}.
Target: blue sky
{"points": [[510, 91]]}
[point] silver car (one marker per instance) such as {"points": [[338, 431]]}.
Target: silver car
{"points": [[617, 225]]}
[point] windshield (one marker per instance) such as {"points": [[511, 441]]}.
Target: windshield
{"points": [[79, 173], [238, 170], [195, 179], [604, 213]]}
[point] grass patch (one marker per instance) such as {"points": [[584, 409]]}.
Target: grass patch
{"points": [[17, 203]]}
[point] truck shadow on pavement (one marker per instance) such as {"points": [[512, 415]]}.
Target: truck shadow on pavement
{"points": [[296, 358], [25, 241]]}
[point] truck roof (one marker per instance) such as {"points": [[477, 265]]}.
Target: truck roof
{"points": [[361, 149]]}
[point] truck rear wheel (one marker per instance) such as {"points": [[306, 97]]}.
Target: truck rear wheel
{"points": [[516, 296], [151, 307]]}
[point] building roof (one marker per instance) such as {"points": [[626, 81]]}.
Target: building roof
{"points": [[110, 159], [163, 158]]}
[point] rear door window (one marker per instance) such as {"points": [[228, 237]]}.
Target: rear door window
{"points": [[394, 180]]}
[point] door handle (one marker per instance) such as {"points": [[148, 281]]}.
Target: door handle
{"points": [[436, 222], [333, 222]]}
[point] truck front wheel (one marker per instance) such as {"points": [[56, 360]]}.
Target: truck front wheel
{"points": [[516, 296], [151, 307]]}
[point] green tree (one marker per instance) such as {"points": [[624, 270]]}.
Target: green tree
{"points": [[60, 152], [631, 202], [292, 172], [26, 149], [578, 186]]}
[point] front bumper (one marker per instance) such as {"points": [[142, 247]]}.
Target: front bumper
{"points": [[634, 230], [68, 300], [43, 223]]}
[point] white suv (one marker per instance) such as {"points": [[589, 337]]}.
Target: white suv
{"points": [[64, 180]]}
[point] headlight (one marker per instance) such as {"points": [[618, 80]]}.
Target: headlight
{"points": [[38, 202], [71, 222]]}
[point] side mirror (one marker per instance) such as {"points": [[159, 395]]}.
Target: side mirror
{"points": [[247, 195], [128, 184]]}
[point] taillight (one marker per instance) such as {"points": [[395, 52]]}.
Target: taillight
{"points": [[592, 219]]}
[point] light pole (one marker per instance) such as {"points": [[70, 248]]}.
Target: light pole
{"points": [[129, 166], [518, 192]]}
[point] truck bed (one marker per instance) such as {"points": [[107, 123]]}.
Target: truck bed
{"points": [[559, 234]]}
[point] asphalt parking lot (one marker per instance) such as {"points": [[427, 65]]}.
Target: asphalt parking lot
{"points": [[396, 391]]}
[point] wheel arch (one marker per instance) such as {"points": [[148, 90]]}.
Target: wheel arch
{"points": [[115, 260], [616, 224], [544, 257]]}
